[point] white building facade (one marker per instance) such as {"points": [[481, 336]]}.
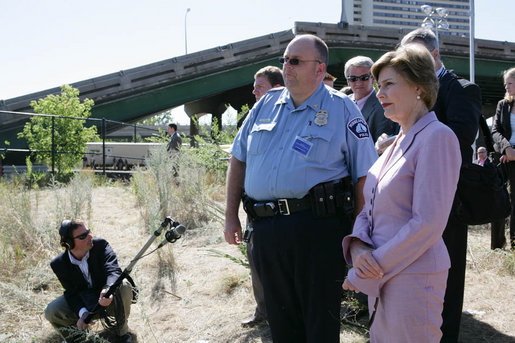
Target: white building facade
{"points": [[407, 14]]}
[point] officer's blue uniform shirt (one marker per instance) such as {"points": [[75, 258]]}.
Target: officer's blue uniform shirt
{"points": [[289, 150]]}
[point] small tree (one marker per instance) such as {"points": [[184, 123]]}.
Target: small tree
{"points": [[70, 135]]}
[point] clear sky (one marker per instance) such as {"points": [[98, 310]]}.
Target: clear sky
{"points": [[47, 43]]}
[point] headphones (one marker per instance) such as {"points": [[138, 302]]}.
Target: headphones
{"points": [[64, 232]]}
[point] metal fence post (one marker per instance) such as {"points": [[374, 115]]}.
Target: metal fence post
{"points": [[104, 146], [53, 145], [134, 139]]}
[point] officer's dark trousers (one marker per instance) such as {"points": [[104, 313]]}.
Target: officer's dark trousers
{"points": [[455, 238], [257, 286], [300, 263]]}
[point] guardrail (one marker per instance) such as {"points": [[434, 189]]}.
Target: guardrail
{"points": [[385, 38]]}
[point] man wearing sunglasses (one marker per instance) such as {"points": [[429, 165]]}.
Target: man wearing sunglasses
{"points": [[361, 81], [300, 156], [86, 270]]}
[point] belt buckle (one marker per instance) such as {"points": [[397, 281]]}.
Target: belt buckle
{"points": [[283, 207]]}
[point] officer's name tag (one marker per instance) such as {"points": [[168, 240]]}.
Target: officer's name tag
{"points": [[302, 145]]}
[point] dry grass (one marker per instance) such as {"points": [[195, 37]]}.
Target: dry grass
{"points": [[190, 294]]}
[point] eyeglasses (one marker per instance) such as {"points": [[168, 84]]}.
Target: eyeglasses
{"points": [[364, 77], [481, 152], [294, 61], [83, 235]]}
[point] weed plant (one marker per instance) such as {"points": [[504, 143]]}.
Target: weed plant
{"points": [[28, 234], [176, 185]]}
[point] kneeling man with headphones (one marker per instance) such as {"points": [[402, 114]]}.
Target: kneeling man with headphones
{"points": [[86, 270]]}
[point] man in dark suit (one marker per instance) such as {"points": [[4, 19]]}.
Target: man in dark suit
{"points": [[361, 81], [458, 106], [86, 270], [175, 139]]}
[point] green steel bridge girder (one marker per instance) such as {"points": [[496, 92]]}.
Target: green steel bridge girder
{"points": [[159, 99]]}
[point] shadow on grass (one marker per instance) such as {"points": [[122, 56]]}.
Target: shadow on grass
{"points": [[474, 330], [104, 335], [259, 331]]}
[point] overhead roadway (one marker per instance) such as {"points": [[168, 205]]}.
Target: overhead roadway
{"points": [[207, 80]]}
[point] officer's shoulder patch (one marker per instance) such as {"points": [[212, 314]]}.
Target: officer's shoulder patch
{"points": [[359, 128]]}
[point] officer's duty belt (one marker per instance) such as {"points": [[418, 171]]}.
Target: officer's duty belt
{"points": [[325, 199], [283, 207]]}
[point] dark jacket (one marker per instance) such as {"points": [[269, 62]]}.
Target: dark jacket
{"points": [[459, 106], [175, 142], [103, 268], [501, 126], [378, 124]]}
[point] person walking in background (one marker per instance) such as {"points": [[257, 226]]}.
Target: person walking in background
{"points": [[175, 143], [458, 106], [265, 79], [299, 157], [361, 81], [86, 270], [174, 146], [504, 142], [396, 249]]}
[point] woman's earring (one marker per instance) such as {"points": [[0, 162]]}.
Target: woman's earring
{"points": [[418, 97]]}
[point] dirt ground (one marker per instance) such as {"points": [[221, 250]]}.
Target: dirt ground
{"points": [[190, 292]]}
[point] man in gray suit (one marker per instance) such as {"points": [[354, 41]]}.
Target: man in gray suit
{"points": [[361, 81]]}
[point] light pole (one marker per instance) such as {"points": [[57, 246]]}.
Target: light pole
{"points": [[186, 32], [435, 19]]}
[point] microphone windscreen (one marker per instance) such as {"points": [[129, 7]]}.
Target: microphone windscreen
{"points": [[180, 229]]}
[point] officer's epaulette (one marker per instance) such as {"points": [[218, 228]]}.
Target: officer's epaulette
{"points": [[276, 89], [337, 93]]}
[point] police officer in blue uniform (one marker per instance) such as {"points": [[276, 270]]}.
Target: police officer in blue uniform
{"points": [[301, 157]]}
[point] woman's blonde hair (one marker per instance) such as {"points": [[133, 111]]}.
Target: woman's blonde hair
{"points": [[509, 73], [416, 65]]}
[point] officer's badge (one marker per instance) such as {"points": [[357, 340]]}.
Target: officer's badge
{"points": [[321, 118], [359, 128]]}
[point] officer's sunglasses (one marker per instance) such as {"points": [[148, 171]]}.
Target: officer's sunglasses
{"points": [[294, 61], [83, 235], [364, 77]]}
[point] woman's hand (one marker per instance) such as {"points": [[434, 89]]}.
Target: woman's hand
{"points": [[363, 262], [348, 286]]}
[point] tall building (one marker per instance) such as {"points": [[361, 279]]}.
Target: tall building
{"points": [[407, 14]]}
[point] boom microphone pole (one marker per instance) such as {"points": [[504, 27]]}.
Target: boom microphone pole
{"points": [[172, 235]]}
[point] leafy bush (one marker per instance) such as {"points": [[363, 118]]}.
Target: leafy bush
{"points": [[70, 135]]}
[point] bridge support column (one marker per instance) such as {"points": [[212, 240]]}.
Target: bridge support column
{"points": [[193, 129]]}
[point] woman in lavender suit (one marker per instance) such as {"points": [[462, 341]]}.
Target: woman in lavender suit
{"points": [[396, 249]]}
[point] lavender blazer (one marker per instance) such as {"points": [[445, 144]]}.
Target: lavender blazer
{"points": [[408, 197]]}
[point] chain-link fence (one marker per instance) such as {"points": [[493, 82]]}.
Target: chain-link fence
{"points": [[97, 154]]}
